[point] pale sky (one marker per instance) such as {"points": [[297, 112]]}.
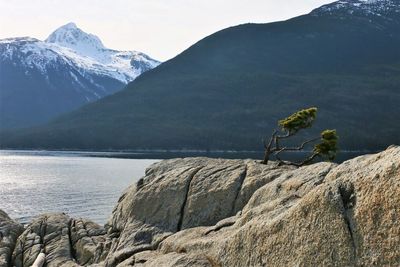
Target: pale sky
{"points": [[160, 28]]}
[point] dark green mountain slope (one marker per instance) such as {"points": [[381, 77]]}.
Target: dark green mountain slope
{"points": [[228, 90]]}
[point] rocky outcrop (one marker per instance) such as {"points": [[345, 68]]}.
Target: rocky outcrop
{"points": [[9, 232], [214, 212], [64, 241], [342, 216]]}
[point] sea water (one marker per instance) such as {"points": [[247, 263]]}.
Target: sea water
{"points": [[36, 182]]}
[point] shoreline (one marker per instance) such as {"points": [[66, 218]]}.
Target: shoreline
{"points": [[169, 154]]}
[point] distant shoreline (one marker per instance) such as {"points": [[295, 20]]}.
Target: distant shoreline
{"points": [[165, 151], [169, 154]]}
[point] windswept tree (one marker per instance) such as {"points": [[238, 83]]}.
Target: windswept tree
{"points": [[326, 148]]}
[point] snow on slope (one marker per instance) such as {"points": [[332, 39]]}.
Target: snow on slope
{"points": [[72, 37], [84, 52], [366, 7]]}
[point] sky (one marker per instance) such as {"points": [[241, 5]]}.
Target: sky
{"points": [[159, 28]]}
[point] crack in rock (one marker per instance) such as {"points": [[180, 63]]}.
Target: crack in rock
{"points": [[242, 178], [71, 246], [348, 199], [182, 211]]}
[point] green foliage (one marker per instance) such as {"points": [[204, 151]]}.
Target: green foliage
{"points": [[299, 120], [328, 146], [302, 119]]}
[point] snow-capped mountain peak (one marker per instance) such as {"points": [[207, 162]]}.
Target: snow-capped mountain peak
{"points": [[68, 69], [78, 56], [83, 51], [71, 25], [72, 37]]}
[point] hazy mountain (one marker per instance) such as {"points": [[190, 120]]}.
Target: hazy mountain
{"points": [[228, 90], [42, 79]]}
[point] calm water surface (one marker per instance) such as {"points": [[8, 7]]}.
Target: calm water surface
{"points": [[32, 183]]}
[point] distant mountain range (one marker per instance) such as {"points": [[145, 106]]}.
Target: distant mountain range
{"points": [[229, 90], [42, 79]]}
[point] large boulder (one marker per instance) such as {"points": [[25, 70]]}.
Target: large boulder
{"points": [[267, 203], [314, 216], [188, 193], [9, 232], [63, 240], [174, 195]]}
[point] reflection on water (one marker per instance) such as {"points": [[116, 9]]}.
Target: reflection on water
{"points": [[32, 183]]}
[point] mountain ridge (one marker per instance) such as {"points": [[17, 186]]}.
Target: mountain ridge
{"points": [[228, 90]]}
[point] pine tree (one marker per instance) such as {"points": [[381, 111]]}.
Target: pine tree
{"points": [[290, 126]]}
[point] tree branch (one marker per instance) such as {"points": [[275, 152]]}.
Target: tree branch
{"points": [[301, 147], [302, 163], [287, 135]]}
